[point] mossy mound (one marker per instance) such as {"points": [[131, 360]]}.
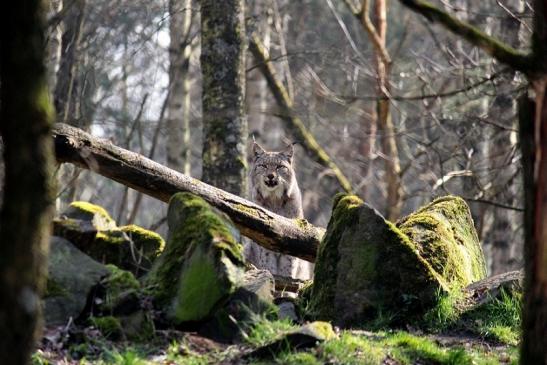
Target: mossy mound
{"points": [[366, 265], [444, 234], [201, 265], [86, 211], [90, 228]]}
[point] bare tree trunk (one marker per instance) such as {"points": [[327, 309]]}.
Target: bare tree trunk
{"points": [[26, 116], [54, 41], [178, 108], [66, 89], [377, 33], [223, 99], [533, 140], [504, 234]]}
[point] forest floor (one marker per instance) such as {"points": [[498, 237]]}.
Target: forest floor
{"points": [[390, 347]]}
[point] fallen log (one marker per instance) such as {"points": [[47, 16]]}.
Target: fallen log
{"points": [[294, 237]]}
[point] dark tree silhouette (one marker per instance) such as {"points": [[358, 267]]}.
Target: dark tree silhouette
{"points": [[26, 115]]}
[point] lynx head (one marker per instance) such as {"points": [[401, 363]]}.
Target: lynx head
{"points": [[272, 172]]}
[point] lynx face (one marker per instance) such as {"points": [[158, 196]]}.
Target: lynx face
{"points": [[272, 172]]}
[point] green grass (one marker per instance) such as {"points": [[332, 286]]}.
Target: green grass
{"points": [[352, 350], [498, 320], [266, 331], [445, 313]]}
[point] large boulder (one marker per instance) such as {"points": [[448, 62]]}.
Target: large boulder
{"points": [[202, 264], [72, 275], [444, 235], [93, 231], [251, 301], [367, 265]]}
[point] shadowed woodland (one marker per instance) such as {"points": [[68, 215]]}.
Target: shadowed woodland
{"points": [[419, 132]]}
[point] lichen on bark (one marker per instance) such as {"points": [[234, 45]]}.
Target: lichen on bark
{"points": [[223, 98]]}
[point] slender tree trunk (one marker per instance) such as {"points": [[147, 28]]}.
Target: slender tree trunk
{"points": [[178, 108], [503, 236], [377, 32], [54, 41], [394, 201], [223, 99], [66, 89], [26, 116], [533, 140]]}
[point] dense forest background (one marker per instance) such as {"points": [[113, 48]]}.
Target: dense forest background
{"points": [[129, 71]]}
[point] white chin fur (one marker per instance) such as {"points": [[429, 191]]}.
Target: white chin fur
{"points": [[276, 190]]}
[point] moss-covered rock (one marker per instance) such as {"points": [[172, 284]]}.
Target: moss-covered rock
{"points": [[109, 326], [201, 265], [85, 211], [94, 232], [119, 286], [71, 277], [444, 234], [366, 265], [252, 301]]}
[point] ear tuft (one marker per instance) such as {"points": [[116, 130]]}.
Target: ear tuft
{"points": [[288, 152], [257, 150]]}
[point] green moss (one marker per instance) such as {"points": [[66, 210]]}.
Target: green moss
{"points": [[149, 241], [444, 234], [302, 223], [118, 284], [53, 289], [366, 266], [200, 262], [88, 211], [199, 289], [246, 209], [109, 326], [113, 237]]}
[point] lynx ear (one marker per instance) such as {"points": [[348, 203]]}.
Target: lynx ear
{"points": [[288, 152], [257, 150]]}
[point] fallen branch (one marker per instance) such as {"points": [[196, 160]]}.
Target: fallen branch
{"points": [[289, 236]]}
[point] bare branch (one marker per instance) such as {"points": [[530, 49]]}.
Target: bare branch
{"points": [[492, 46], [292, 122]]}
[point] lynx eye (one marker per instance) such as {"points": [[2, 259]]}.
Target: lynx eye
{"points": [[262, 166], [281, 167]]}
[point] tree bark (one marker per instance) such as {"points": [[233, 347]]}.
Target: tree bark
{"points": [[178, 107], [223, 98], [26, 116], [67, 85], [289, 236]]}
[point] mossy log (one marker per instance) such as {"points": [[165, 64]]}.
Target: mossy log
{"points": [[274, 232]]}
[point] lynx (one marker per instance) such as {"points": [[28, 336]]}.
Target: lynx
{"points": [[273, 185]]}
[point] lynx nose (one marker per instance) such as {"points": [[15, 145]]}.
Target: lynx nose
{"points": [[271, 176]]}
